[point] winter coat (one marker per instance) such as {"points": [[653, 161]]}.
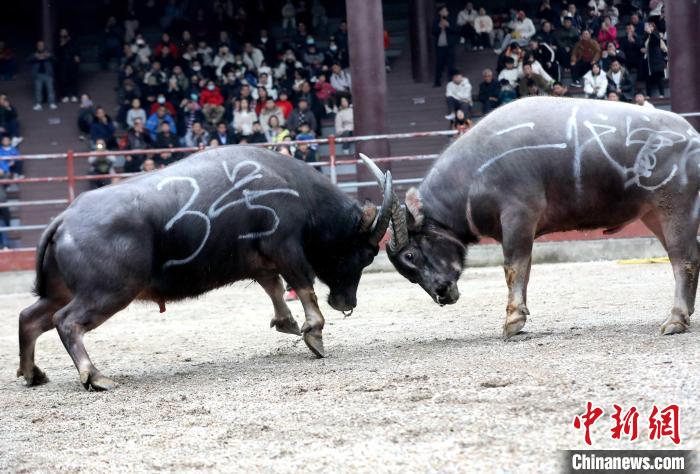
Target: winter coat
{"points": [[586, 50], [654, 56], [344, 121], [595, 85], [211, 97]]}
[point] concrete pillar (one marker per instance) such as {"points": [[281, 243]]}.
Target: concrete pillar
{"points": [[48, 19], [367, 68], [421, 39], [682, 20]]}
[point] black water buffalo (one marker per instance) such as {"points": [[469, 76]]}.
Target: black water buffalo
{"points": [[542, 165], [216, 217]]}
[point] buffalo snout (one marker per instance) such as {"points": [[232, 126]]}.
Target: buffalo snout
{"points": [[342, 302], [446, 292]]}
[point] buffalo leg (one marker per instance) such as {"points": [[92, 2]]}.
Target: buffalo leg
{"points": [[518, 237], [300, 275], [283, 320], [313, 326], [33, 322], [683, 252], [73, 321], [651, 220]]}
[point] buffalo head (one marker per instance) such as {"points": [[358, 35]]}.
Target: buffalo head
{"points": [[421, 250], [341, 269]]}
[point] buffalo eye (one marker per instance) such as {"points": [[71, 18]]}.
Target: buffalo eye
{"points": [[409, 256]]}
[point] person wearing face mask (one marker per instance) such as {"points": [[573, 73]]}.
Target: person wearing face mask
{"points": [[230, 86], [161, 101], [195, 68], [141, 49], [312, 54], [268, 47], [212, 103]]}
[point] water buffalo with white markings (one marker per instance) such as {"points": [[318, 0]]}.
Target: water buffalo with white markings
{"points": [[542, 165], [214, 218]]}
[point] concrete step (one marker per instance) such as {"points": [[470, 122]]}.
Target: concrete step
{"points": [[399, 24]]}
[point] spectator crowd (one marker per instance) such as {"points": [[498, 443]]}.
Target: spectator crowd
{"points": [[189, 76], [219, 77], [601, 49]]}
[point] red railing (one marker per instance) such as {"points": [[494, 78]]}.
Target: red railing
{"points": [[71, 178]]}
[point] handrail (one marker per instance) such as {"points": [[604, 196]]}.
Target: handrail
{"points": [[154, 151], [72, 178]]}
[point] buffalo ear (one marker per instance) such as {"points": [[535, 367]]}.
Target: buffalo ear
{"points": [[414, 206], [369, 214]]}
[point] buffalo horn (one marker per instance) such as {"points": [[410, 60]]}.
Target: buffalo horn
{"points": [[378, 175], [399, 230], [384, 217]]}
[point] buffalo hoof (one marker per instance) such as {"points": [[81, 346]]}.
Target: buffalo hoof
{"points": [[288, 326], [96, 381], [675, 324], [33, 378], [313, 338], [514, 324]]}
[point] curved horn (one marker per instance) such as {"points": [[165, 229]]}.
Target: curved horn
{"points": [[399, 229], [384, 217], [378, 175]]}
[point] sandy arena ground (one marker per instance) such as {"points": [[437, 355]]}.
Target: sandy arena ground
{"points": [[407, 387]]}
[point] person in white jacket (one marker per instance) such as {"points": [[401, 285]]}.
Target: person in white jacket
{"points": [[465, 20], [344, 122], [459, 94], [537, 69], [222, 59], [252, 56], [483, 25], [522, 29], [595, 83]]}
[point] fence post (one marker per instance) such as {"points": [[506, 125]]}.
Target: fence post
{"points": [[70, 173], [331, 152]]}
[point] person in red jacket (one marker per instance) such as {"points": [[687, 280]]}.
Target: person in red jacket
{"points": [[166, 41], [283, 103], [212, 103], [162, 101], [325, 92], [607, 33]]}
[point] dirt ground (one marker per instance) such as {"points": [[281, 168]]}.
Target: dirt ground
{"points": [[407, 387]]}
